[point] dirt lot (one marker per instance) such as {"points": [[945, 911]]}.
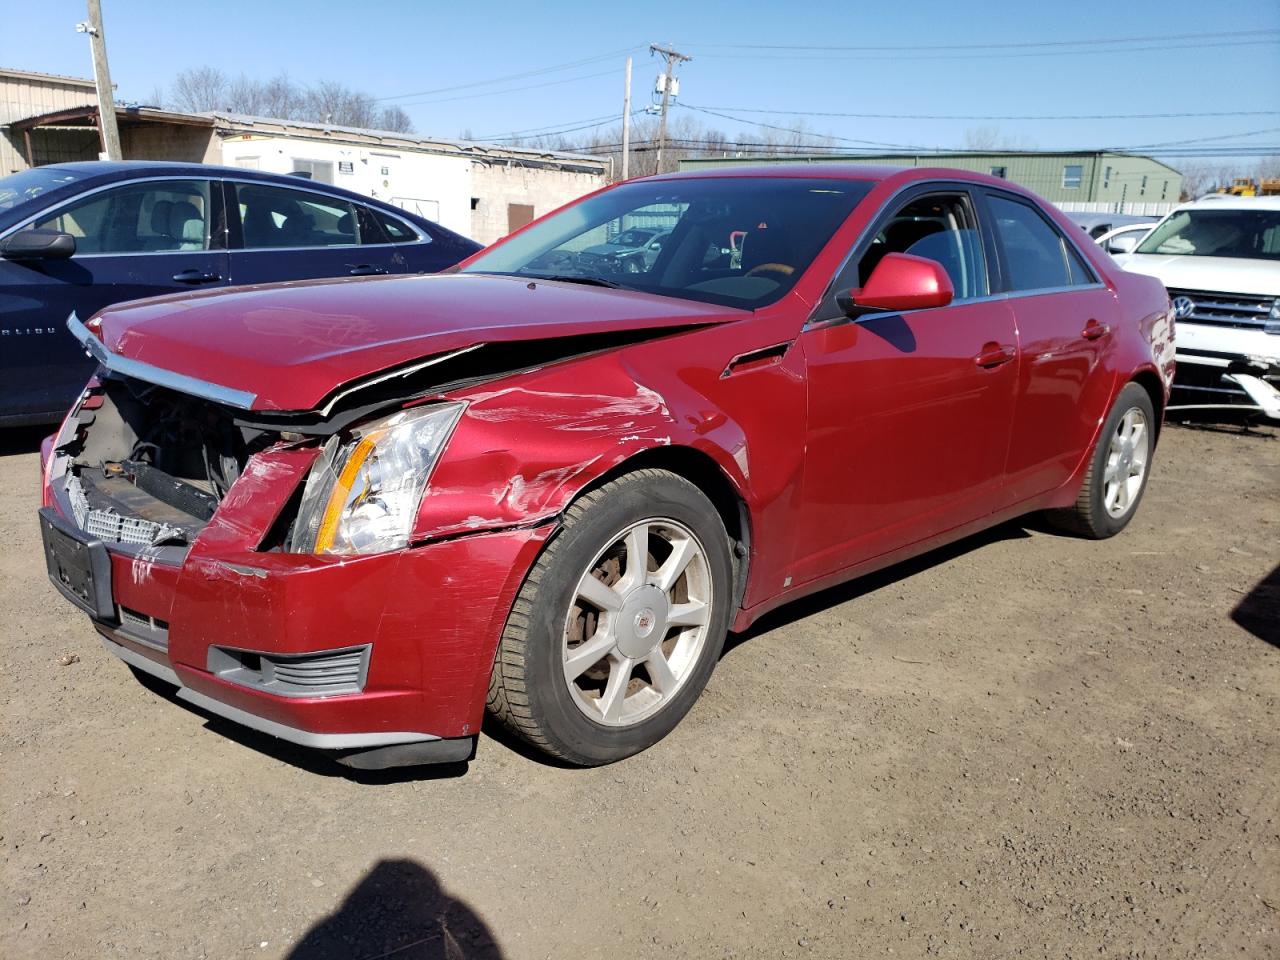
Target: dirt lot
{"points": [[1024, 746]]}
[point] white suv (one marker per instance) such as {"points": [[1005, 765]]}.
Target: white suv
{"points": [[1219, 257]]}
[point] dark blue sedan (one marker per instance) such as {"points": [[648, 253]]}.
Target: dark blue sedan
{"points": [[80, 236]]}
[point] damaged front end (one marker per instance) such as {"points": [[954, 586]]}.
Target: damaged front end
{"points": [[272, 565]]}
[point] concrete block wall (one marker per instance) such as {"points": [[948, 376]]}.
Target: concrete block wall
{"points": [[496, 185]]}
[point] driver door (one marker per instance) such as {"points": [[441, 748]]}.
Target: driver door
{"points": [[910, 413]]}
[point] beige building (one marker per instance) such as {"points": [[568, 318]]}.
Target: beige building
{"points": [[26, 94], [483, 191]]}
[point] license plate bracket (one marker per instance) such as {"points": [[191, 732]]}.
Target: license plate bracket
{"points": [[79, 565]]}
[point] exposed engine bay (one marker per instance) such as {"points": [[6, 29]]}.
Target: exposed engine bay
{"points": [[147, 465]]}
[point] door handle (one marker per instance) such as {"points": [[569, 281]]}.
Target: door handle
{"points": [[368, 270], [196, 276], [1093, 330], [993, 355]]}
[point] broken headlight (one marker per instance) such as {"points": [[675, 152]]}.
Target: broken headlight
{"points": [[362, 494]]}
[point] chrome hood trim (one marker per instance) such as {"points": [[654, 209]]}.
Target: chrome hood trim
{"points": [[240, 399]]}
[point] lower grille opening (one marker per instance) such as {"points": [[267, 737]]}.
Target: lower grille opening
{"points": [[323, 673], [143, 628]]}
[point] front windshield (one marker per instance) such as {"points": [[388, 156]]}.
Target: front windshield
{"points": [[736, 241], [21, 187], [1245, 234]]}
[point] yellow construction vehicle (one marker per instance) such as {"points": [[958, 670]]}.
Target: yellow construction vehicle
{"points": [[1248, 187]]}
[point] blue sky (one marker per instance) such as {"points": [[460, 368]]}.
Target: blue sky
{"points": [[395, 48]]}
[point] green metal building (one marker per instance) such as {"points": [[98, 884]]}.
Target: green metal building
{"points": [[1063, 178]]}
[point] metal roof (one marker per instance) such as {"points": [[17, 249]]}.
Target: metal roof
{"points": [[338, 131], [47, 77], [86, 115]]}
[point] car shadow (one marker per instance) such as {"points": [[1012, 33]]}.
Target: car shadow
{"points": [[324, 764], [319, 762], [19, 440], [1259, 611], [789, 613], [399, 909]]}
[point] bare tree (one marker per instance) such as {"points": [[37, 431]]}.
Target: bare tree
{"points": [[990, 139], [203, 89], [198, 89]]}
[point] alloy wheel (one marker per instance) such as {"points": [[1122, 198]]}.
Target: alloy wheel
{"points": [[638, 622], [1125, 469]]}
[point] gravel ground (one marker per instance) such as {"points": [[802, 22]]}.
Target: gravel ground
{"points": [[1022, 746]]}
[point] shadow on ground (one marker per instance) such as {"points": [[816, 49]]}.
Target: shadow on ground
{"points": [[1019, 529], [399, 909], [1259, 611]]}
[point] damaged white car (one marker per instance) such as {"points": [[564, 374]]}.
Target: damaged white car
{"points": [[1219, 257]]}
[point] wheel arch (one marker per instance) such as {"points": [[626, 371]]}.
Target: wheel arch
{"points": [[1150, 381], [700, 469]]}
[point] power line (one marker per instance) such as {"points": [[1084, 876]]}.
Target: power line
{"points": [[900, 57], [568, 126], [992, 46], [516, 76], [1243, 150], [505, 90], [1225, 136], [980, 116], [800, 133], [589, 124]]}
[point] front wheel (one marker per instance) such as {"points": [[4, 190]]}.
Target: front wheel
{"points": [[620, 623], [1118, 469]]}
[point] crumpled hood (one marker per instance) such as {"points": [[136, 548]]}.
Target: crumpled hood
{"points": [[1211, 274], [291, 344]]}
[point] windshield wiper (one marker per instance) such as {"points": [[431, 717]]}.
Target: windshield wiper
{"points": [[589, 281]]}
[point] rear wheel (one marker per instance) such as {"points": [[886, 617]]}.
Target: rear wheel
{"points": [[619, 624], [1118, 470]]}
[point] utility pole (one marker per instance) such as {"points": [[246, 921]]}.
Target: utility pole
{"points": [[672, 57], [626, 123], [108, 132]]}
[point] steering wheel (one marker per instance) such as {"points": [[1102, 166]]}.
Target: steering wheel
{"points": [[781, 268]]}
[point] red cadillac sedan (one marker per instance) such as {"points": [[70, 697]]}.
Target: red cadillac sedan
{"points": [[355, 514]]}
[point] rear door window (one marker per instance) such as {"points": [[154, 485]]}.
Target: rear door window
{"points": [[152, 217], [272, 216], [1037, 256], [396, 230]]}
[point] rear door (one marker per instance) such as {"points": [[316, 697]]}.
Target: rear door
{"points": [[139, 239], [909, 413], [293, 233], [1066, 320]]}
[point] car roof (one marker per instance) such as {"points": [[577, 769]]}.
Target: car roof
{"points": [[98, 172], [1226, 201], [839, 171]]}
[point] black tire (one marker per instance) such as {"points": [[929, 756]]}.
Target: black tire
{"points": [[1090, 517], [528, 691]]}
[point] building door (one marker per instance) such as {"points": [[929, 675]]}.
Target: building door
{"points": [[518, 214]]}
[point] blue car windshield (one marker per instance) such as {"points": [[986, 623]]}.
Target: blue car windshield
{"points": [[20, 188], [733, 241]]}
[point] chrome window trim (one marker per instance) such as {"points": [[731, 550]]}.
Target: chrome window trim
{"points": [[1066, 238], [421, 241], [111, 186], [229, 396], [815, 323]]}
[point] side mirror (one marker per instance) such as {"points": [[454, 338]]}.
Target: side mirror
{"points": [[900, 282], [38, 245], [1122, 244]]}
